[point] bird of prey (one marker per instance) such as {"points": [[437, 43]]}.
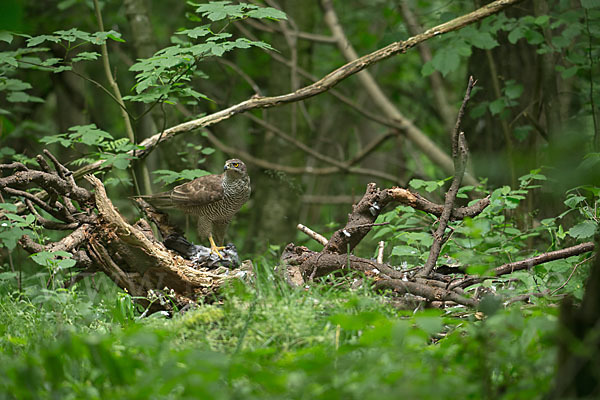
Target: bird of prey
{"points": [[214, 199]]}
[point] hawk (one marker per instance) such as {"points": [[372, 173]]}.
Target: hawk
{"points": [[214, 199]]}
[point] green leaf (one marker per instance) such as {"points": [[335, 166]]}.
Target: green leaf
{"points": [[14, 84], [86, 56], [446, 60], [22, 97], [513, 90], [534, 37], [570, 72], [4, 276], [66, 263], [61, 138], [483, 40], [268, 13], [6, 37], [522, 132], [477, 269], [43, 258], [583, 230], [542, 20], [115, 36], [416, 183], [197, 32], [10, 237], [10, 207], [34, 41], [119, 161], [573, 201], [497, 106], [218, 10], [516, 34], [427, 69], [88, 134]]}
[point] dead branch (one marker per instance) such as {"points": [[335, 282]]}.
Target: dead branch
{"points": [[314, 265], [430, 293], [459, 156], [104, 241], [544, 258], [312, 234]]}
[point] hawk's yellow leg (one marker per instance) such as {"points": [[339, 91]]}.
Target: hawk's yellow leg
{"points": [[214, 248]]}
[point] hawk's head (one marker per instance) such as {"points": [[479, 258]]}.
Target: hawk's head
{"points": [[235, 167]]}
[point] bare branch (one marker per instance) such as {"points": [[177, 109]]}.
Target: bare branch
{"points": [[312, 234], [430, 293], [459, 156], [544, 258], [526, 264], [571, 274]]}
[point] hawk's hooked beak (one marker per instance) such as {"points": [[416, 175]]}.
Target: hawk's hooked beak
{"points": [[226, 167]]}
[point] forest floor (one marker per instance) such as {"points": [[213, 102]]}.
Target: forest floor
{"points": [[263, 339]]}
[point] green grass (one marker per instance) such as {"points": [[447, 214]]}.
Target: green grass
{"points": [[265, 340]]}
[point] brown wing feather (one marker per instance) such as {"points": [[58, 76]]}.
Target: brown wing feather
{"points": [[201, 191]]}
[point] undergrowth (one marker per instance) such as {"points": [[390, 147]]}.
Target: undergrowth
{"points": [[264, 340]]}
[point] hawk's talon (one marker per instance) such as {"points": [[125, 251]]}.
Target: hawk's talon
{"points": [[214, 248]]}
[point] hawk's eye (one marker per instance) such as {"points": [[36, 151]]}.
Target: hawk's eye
{"points": [[235, 165]]}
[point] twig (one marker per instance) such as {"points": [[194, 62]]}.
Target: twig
{"points": [[101, 257], [459, 156], [46, 223], [312, 234], [526, 264], [544, 258], [571, 274], [56, 212]]}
